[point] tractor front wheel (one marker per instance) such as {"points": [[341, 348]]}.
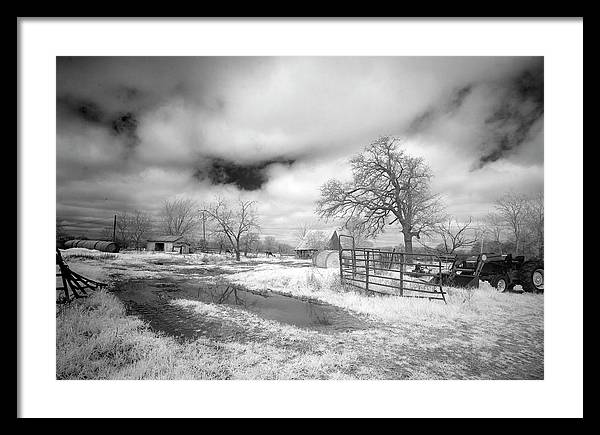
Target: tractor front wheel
{"points": [[500, 282]]}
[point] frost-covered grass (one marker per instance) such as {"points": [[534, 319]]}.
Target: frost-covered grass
{"points": [[324, 284], [96, 340], [479, 334], [283, 275]]}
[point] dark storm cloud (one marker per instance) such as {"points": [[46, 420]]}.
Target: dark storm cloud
{"points": [[124, 125], [514, 117], [430, 116], [82, 109], [248, 177]]}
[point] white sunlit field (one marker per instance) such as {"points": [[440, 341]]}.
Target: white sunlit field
{"points": [[206, 316]]}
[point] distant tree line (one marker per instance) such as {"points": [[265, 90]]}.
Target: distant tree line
{"points": [[218, 226], [516, 225]]}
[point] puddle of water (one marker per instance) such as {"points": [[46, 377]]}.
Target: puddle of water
{"points": [[149, 298]]}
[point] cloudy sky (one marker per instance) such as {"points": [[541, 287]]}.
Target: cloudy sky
{"points": [[134, 131]]}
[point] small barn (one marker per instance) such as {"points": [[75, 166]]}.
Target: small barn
{"points": [[317, 240], [167, 244]]}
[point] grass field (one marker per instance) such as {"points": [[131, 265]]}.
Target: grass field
{"points": [[479, 334]]}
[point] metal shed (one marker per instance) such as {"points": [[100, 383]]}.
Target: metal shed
{"points": [[164, 243]]}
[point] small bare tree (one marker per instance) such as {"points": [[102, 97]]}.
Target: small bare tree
{"points": [[140, 223], [454, 236], [124, 228], [495, 226], [234, 223], [249, 241], [535, 222], [302, 230], [387, 186], [512, 209], [180, 217]]}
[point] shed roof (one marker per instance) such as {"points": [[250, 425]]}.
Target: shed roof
{"points": [[316, 239], [165, 238]]}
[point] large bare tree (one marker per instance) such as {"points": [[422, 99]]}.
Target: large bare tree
{"points": [[180, 217], [512, 209], [388, 186], [234, 220]]}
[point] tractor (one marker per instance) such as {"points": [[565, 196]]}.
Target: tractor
{"points": [[502, 271]]}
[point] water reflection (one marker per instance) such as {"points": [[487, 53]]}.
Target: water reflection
{"points": [[155, 296], [229, 295]]}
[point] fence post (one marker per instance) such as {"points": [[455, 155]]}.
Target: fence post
{"points": [[353, 259], [341, 266], [367, 271], [441, 287], [401, 255]]}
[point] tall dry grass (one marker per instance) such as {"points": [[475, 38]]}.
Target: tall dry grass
{"points": [[96, 340]]}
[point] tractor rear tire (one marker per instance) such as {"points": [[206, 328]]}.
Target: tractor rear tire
{"points": [[532, 276], [500, 282]]}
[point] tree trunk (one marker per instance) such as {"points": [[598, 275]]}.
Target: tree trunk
{"points": [[408, 246]]}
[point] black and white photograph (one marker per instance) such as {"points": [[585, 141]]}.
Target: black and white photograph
{"points": [[278, 217]]}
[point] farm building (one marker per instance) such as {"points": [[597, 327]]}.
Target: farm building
{"points": [[317, 240], [168, 244]]}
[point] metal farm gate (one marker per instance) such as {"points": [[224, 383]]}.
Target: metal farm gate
{"points": [[393, 272]]}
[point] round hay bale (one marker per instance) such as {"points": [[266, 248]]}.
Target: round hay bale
{"points": [[326, 259], [99, 245]]}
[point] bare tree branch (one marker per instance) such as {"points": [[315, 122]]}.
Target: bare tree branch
{"points": [[454, 236], [512, 209], [180, 217]]}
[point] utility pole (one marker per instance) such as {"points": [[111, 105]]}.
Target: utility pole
{"points": [[482, 235], [203, 230], [114, 228]]}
